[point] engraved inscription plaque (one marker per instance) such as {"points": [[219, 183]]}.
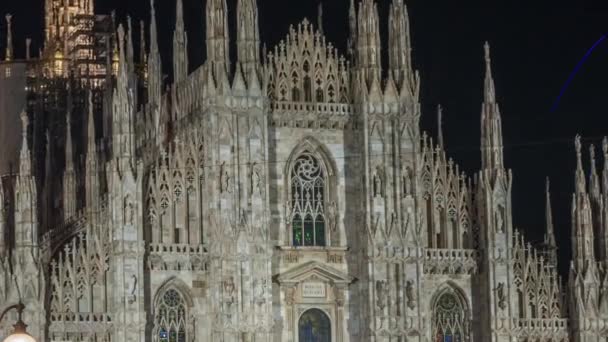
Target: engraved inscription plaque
{"points": [[313, 290]]}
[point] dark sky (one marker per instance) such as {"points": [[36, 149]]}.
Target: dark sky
{"points": [[535, 46]]}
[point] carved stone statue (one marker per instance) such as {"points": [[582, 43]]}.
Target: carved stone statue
{"points": [[332, 216], [381, 294], [229, 290], [410, 295], [225, 180], [378, 192], [502, 297], [256, 179], [132, 295]]}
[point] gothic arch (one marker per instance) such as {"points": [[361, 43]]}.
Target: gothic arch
{"points": [[173, 310], [451, 314], [320, 157]]}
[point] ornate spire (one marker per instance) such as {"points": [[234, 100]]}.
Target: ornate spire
{"points": [[25, 162], [123, 135], [9, 38], [550, 233], [91, 140], [400, 46], [154, 62], [218, 36], [369, 45], [248, 35], [489, 88], [69, 186], [594, 179], [605, 172], [440, 126], [581, 184], [180, 45], [491, 122], [352, 24], [143, 53], [130, 51]]}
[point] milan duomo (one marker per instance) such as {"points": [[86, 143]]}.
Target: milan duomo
{"points": [[287, 195]]}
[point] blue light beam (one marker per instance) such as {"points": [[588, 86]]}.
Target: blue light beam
{"points": [[578, 66]]}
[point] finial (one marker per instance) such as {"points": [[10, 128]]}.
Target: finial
{"points": [[440, 125], [9, 38]]}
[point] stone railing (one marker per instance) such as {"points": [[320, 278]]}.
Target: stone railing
{"points": [[451, 261], [63, 324], [538, 328], [85, 317], [177, 248], [338, 109], [177, 257]]}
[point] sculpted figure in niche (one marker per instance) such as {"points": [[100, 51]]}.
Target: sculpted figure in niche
{"points": [[258, 291], [129, 212], [229, 289], [381, 293], [378, 183], [407, 182], [332, 216], [502, 298], [256, 179], [499, 213], [225, 181], [409, 293]]}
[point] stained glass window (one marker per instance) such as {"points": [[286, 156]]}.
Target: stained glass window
{"points": [[171, 313], [449, 319], [314, 326], [308, 202]]}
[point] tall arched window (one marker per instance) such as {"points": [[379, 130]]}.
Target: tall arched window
{"points": [[308, 185], [449, 318], [314, 326], [171, 320]]}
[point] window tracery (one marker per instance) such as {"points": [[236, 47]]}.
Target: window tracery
{"points": [[449, 321], [308, 193], [171, 318]]}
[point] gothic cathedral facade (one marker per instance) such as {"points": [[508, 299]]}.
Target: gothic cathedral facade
{"points": [[288, 195]]}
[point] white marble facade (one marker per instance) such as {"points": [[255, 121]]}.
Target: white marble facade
{"points": [[290, 195]]}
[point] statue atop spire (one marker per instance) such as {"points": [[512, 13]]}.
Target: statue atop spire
{"points": [[491, 122], [180, 45], [9, 38]]}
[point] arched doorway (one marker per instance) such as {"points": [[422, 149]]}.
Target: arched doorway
{"points": [[314, 326]]}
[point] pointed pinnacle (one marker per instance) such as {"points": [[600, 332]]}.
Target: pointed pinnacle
{"points": [[489, 91], [440, 125]]}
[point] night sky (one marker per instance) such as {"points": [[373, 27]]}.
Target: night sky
{"points": [[535, 47]]}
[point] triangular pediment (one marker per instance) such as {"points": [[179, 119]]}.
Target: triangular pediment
{"points": [[314, 270]]}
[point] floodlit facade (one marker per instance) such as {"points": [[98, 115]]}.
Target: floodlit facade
{"points": [[287, 195]]}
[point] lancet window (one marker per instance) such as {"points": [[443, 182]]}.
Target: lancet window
{"points": [[449, 321], [171, 318], [308, 196]]}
